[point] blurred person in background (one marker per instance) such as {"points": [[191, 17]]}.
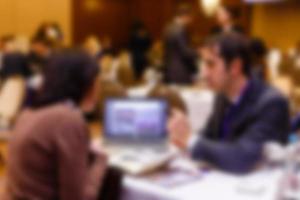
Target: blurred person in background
{"points": [[13, 47], [295, 56], [156, 55], [179, 57], [107, 46], [139, 44], [47, 39], [40, 52], [60, 164], [259, 52], [93, 46], [7, 44], [246, 115], [14, 64], [52, 31], [22, 44], [226, 20]]}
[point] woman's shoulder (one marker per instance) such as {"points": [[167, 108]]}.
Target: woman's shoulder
{"points": [[57, 114], [65, 111]]}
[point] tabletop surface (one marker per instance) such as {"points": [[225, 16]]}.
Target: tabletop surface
{"points": [[211, 185], [261, 185]]}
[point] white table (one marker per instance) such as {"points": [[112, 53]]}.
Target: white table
{"points": [[213, 185]]}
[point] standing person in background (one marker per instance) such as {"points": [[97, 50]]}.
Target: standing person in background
{"points": [[47, 39], [226, 21], [49, 152], [258, 54], [179, 58], [52, 31], [92, 46], [7, 46], [107, 46], [40, 52], [139, 44]]}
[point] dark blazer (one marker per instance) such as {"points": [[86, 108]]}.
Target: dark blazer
{"points": [[179, 56], [14, 64], [262, 116]]}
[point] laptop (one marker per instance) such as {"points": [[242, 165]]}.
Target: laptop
{"points": [[135, 134]]}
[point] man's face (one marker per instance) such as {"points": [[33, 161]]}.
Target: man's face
{"points": [[213, 70]]}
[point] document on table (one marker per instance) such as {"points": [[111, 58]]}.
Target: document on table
{"points": [[174, 178]]}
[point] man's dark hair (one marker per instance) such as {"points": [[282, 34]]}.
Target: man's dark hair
{"points": [[68, 76], [232, 46]]}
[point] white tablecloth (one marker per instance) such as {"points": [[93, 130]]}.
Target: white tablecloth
{"points": [[214, 185]]}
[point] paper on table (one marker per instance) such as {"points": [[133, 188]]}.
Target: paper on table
{"points": [[180, 171], [174, 178]]}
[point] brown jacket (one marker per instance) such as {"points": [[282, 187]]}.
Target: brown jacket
{"points": [[49, 157]]}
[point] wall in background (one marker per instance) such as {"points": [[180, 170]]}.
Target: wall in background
{"points": [[103, 18], [278, 24], [24, 16], [114, 17]]}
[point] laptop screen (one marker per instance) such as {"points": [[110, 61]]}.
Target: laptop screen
{"points": [[135, 119]]}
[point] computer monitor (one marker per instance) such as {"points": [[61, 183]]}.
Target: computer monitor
{"points": [[135, 120]]}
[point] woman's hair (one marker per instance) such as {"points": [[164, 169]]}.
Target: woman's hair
{"points": [[68, 76]]}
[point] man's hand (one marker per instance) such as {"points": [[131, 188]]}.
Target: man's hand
{"points": [[179, 129]]}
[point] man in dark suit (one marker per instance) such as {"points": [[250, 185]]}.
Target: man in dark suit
{"points": [[179, 58], [247, 113]]}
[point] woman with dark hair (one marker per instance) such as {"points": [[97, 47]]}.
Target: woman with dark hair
{"points": [[139, 44], [49, 156]]}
